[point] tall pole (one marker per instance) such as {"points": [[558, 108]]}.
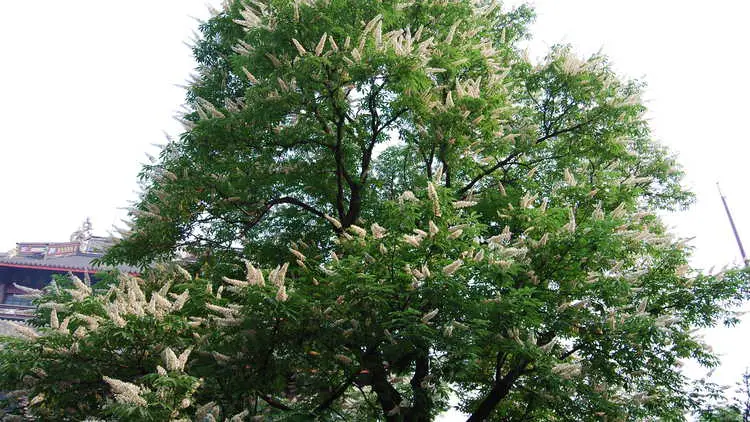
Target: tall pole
{"points": [[731, 222]]}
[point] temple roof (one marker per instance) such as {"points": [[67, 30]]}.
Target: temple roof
{"points": [[75, 255], [74, 263]]}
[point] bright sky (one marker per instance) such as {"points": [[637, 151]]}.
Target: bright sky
{"points": [[87, 86]]}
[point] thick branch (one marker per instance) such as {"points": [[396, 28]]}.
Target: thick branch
{"points": [[294, 201], [500, 390], [420, 411], [258, 216], [366, 399], [488, 171], [273, 402], [388, 397], [377, 129], [341, 174], [372, 105]]}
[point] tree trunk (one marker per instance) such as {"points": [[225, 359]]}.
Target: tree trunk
{"points": [[420, 411], [388, 397], [499, 391]]}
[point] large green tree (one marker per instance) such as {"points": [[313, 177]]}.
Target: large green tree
{"points": [[436, 217]]}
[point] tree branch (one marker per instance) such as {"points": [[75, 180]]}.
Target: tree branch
{"points": [[341, 173], [297, 202], [500, 389], [570, 352], [366, 399], [338, 392], [260, 213], [388, 396], [487, 172], [512, 156], [374, 130], [273, 402], [422, 402]]}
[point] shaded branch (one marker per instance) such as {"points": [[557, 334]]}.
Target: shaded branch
{"points": [[296, 202], [500, 389], [258, 215], [570, 352], [273, 402], [514, 155], [366, 399], [422, 402], [388, 397], [338, 392]]}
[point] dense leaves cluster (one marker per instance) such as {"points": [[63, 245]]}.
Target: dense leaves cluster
{"points": [[444, 219]]}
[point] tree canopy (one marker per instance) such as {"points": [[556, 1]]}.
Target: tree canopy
{"points": [[390, 206]]}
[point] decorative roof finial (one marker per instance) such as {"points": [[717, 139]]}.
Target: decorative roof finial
{"points": [[83, 235]]}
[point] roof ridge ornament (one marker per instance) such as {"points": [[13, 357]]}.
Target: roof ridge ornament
{"points": [[83, 235]]}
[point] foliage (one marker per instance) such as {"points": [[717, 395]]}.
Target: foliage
{"points": [[736, 410], [442, 216], [721, 414]]}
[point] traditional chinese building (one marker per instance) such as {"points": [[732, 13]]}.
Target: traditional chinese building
{"points": [[32, 264]]}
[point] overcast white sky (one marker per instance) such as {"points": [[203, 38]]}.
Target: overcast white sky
{"points": [[88, 85]]}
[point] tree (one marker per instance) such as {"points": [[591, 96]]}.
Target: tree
{"points": [[737, 410], [743, 401], [434, 216]]}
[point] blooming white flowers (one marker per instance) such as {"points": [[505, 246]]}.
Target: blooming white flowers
{"points": [[378, 232], [463, 204], [569, 179], [359, 231], [125, 392], [408, 196], [174, 362], [567, 370], [432, 194], [22, 329], [413, 240], [336, 223], [281, 295], [433, 228], [429, 315], [452, 267]]}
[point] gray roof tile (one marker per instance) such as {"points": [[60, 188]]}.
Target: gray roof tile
{"points": [[73, 263]]}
